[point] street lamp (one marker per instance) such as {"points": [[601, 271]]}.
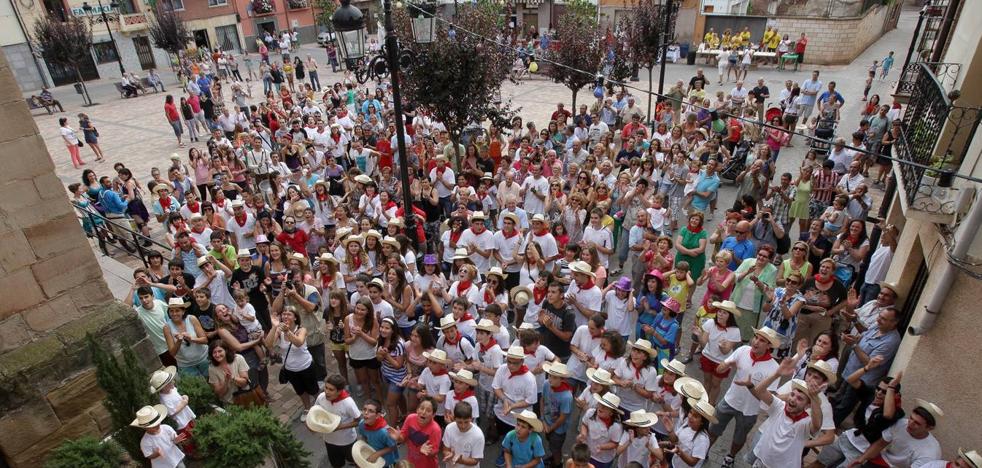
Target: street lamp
{"points": [[424, 23], [349, 22], [112, 6]]}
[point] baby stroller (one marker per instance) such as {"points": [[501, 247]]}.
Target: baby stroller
{"points": [[737, 162], [772, 112], [824, 132]]}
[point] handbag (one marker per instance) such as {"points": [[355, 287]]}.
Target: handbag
{"points": [[253, 396], [283, 376], [80, 144]]}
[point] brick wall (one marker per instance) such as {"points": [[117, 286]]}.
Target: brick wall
{"points": [[836, 40], [51, 296]]}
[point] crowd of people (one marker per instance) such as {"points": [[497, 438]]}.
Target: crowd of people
{"points": [[539, 299]]}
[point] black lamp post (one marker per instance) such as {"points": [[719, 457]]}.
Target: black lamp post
{"points": [[112, 6], [349, 23]]}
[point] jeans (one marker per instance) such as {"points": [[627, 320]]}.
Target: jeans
{"points": [[868, 292], [267, 85], [315, 82]]}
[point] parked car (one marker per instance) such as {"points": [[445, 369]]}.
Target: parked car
{"points": [[324, 38]]}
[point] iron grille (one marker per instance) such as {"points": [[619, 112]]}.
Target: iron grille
{"points": [[946, 73]]}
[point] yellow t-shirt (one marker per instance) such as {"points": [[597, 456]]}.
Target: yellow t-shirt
{"points": [[767, 36], [678, 289], [702, 314], [775, 40], [726, 41], [745, 38]]}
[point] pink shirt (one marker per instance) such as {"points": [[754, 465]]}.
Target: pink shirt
{"points": [[416, 436]]}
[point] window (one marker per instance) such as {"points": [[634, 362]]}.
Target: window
{"points": [[175, 5], [215, 3], [104, 52]]}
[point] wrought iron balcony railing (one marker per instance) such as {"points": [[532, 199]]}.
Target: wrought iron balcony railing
{"points": [[946, 73]]}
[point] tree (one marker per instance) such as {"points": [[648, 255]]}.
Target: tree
{"points": [[644, 29], [579, 49], [324, 10], [168, 30], [65, 44], [458, 76], [125, 382], [582, 9], [85, 451], [247, 437]]}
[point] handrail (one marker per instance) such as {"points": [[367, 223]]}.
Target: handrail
{"points": [[118, 230]]}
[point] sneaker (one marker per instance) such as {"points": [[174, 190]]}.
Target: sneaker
{"points": [[303, 418], [685, 359], [727, 462]]}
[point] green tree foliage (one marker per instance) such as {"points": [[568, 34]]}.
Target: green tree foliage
{"points": [[127, 388], [63, 43], [580, 47], [244, 437], [201, 398], [581, 9], [323, 10], [85, 451], [168, 31]]}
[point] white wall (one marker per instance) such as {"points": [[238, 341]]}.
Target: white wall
{"points": [[10, 31]]}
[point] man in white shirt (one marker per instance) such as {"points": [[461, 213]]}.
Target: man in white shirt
{"points": [[242, 226], [478, 241], [514, 387], [511, 208], [444, 180], [789, 423], [509, 189], [507, 247], [463, 441], [583, 295], [738, 95], [576, 154], [547, 242], [909, 442], [596, 235], [535, 189]]}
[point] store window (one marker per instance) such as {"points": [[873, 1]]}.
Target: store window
{"points": [[104, 52]]}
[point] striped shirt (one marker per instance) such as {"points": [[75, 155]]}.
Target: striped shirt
{"points": [[823, 186], [391, 374]]}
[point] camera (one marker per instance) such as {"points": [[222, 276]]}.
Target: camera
{"points": [[766, 216]]}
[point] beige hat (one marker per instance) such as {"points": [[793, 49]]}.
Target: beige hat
{"points": [[177, 302], [496, 271], [538, 217], [373, 233], [609, 400], [580, 266], [674, 366], [237, 203], [512, 216], [204, 259], [556, 368], [825, 368], [321, 420], [150, 416], [360, 453], [363, 179], [487, 326], [704, 409], [244, 253], [931, 408], [447, 321], [477, 215], [354, 238], [798, 384], [441, 157], [643, 345], [728, 306], [398, 222], [600, 376], [973, 458], [341, 232], [162, 377], [515, 352], [327, 257], [195, 216], [770, 335], [175, 157], [299, 257], [487, 176], [529, 417], [157, 188], [391, 241], [465, 376], [641, 418], [377, 282], [526, 326], [437, 355], [891, 286], [690, 388], [520, 295], [460, 254]]}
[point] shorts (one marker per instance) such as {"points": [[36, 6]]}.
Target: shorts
{"points": [[304, 381], [841, 452], [338, 346], [724, 413], [555, 445], [364, 363], [178, 129], [709, 367], [395, 388]]}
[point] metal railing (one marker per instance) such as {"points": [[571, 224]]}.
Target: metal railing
{"points": [[946, 73], [120, 233]]}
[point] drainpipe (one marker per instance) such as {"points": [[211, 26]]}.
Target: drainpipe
{"points": [[963, 240], [27, 38]]}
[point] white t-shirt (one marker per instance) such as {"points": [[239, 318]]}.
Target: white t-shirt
{"points": [[589, 298], [507, 247], [695, 444], [70, 135], [435, 385], [637, 449], [494, 358], [602, 238], [738, 396], [541, 355], [618, 318], [878, 265], [483, 241], [469, 444], [717, 336], [452, 401], [447, 176], [348, 410], [782, 441], [827, 423], [647, 377], [241, 241], [586, 343], [904, 450], [170, 455], [172, 400], [516, 388], [534, 205], [547, 244], [598, 434]]}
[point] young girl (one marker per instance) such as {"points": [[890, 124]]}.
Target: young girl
{"points": [[657, 214], [666, 330], [637, 443], [608, 354], [649, 304], [601, 429], [635, 376], [834, 216], [355, 261], [162, 382], [246, 314], [334, 313], [599, 383], [361, 333], [391, 354], [690, 440], [718, 338]]}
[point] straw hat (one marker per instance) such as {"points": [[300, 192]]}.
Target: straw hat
{"points": [[244, 253], [512, 216], [360, 453], [363, 179], [891, 286], [580, 266], [460, 254], [526, 326], [447, 321], [609, 400], [487, 176], [477, 216], [973, 458], [529, 417], [520, 295], [354, 238], [496, 271], [641, 418], [341, 232], [150, 416], [703, 408], [770, 335], [204, 259], [643, 345], [376, 282], [299, 257], [237, 203], [515, 352], [801, 385], [931, 408], [538, 218], [488, 326], [321, 420], [437, 355], [465, 376], [674, 366], [373, 233], [177, 302], [825, 368], [556, 368], [690, 388], [600, 376], [162, 377], [397, 222], [327, 257], [391, 241], [728, 306], [157, 188]]}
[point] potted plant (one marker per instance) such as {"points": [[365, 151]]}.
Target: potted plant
{"points": [[262, 7], [297, 4], [86, 451], [246, 438], [201, 397]]}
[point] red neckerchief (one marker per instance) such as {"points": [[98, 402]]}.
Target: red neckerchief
{"points": [[341, 396], [599, 198], [438, 373], [475, 232], [521, 370], [463, 396], [795, 417], [694, 230], [379, 423], [588, 285], [488, 296], [491, 343], [766, 357], [336, 138], [607, 421], [821, 281], [440, 171], [530, 353], [165, 203], [467, 316], [194, 207], [323, 196], [637, 370], [514, 232], [609, 356], [388, 204], [452, 341], [219, 204], [455, 236], [357, 262], [243, 220], [670, 388], [327, 280], [599, 333], [538, 295], [718, 326], [563, 387], [462, 287], [196, 231], [541, 233]]}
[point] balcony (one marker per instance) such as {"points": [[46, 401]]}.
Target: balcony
{"points": [[934, 139], [947, 75], [133, 22]]}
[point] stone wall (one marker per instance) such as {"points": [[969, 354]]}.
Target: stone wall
{"points": [[53, 295], [22, 63], [838, 40]]}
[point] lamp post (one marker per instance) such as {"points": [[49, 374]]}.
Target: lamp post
{"points": [[668, 31], [112, 6], [349, 22]]}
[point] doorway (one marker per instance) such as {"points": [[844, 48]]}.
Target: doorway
{"points": [[64, 75], [201, 39], [144, 52], [228, 38]]}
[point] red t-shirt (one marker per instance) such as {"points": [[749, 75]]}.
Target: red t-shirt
{"points": [[799, 47], [171, 110], [736, 129], [297, 240], [384, 147], [416, 436], [420, 234]]}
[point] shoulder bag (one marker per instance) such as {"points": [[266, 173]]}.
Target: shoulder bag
{"points": [[283, 376]]}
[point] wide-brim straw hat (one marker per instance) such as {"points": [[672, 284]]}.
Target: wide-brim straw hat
{"points": [[360, 453], [461, 254], [704, 409], [770, 335], [643, 345], [488, 326], [512, 216], [177, 302], [341, 232], [363, 179], [531, 419], [465, 376], [641, 418], [299, 257], [891, 286], [157, 188], [355, 238], [447, 321], [496, 271], [328, 257], [972, 457], [162, 377], [373, 233], [557, 369], [801, 385], [690, 388], [728, 306], [609, 400], [674, 366], [599, 376], [515, 352], [204, 259], [321, 420], [437, 355], [520, 295], [580, 266], [243, 253], [149, 416], [825, 368], [391, 241], [931, 408], [377, 282], [476, 216]]}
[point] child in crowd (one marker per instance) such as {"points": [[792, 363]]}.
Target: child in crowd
{"points": [[490, 357], [522, 446], [657, 214], [246, 314], [834, 216], [372, 429], [336, 400], [579, 457], [434, 382], [462, 392], [601, 429], [162, 383], [556, 408], [536, 355], [637, 443]]}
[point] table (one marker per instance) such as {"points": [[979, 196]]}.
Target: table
{"points": [[793, 58]]}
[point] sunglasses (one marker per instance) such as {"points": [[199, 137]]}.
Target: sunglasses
{"points": [[798, 248]]}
